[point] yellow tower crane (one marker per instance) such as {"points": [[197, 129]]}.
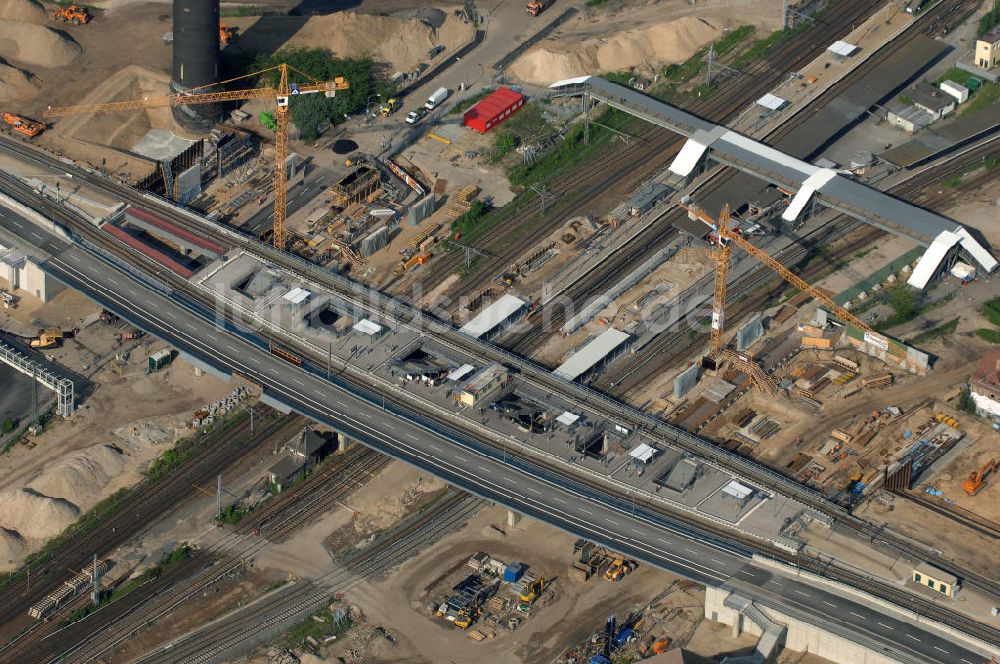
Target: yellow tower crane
{"points": [[729, 236], [280, 93]]}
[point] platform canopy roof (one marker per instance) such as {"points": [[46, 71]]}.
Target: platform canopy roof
{"points": [[591, 354], [831, 188], [493, 315]]}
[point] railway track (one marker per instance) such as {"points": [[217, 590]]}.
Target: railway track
{"points": [[625, 380], [942, 17], [136, 512], [588, 187], [227, 556], [228, 635], [658, 512]]}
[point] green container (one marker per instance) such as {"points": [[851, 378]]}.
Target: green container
{"points": [[974, 83]]}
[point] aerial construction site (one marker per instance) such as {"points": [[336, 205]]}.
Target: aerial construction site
{"points": [[569, 331]]}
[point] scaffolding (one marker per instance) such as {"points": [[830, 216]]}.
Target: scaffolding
{"points": [[355, 187], [63, 387]]}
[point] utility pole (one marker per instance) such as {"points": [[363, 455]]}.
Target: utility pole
{"points": [[95, 594], [329, 359], [586, 119], [542, 193], [710, 62], [218, 497], [34, 391], [784, 14]]}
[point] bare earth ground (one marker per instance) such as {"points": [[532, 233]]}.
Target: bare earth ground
{"points": [[116, 431]]}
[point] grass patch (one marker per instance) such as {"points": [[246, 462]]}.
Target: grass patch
{"points": [[942, 330], [954, 182], [955, 75], [993, 336], [989, 20], [991, 309], [465, 104], [319, 626], [734, 38], [985, 96]]}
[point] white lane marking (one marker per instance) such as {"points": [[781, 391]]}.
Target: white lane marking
{"points": [[775, 583], [483, 468], [298, 382], [586, 511], [74, 258], [341, 403], [947, 652], [799, 592], [856, 615], [412, 437], [747, 572], [966, 661], [690, 550], [886, 626], [613, 521], [829, 603], [389, 426], [637, 532], [190, 327], [318, 392], [716, 560], [913, 637], [16, 223], [559, 500], [433, 447], [533, 490], [232, 348]]}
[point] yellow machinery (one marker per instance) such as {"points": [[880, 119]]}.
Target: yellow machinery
{"points": [[618, 570], [389, 107], [23, 125], [280, 93], [727, 235], [72, 14], [47, 338], [466, 617], [532, 591]]}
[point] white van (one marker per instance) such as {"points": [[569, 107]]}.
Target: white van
{"points": [[435, 99]]}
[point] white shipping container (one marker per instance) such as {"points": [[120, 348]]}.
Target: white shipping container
{"points": [[959, 92], [963, 271]]}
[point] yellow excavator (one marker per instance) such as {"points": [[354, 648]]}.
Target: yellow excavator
{"points": [[532, 591], [47, 339]]}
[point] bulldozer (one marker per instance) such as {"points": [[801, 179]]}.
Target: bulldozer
{"points": [[47, 339], [466, 617], [976, 480], [74, 14], [532, 591], [389, 107]]}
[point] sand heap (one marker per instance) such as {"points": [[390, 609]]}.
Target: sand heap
{"points": [[655, 45], [81, 477], [401, 42], [35, 516], [36, 44], [28, 11], [15, 84]]}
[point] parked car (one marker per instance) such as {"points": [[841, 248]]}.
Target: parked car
{"points": [[413, 117]]}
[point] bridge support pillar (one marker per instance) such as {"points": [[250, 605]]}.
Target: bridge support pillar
{"points": [[513, 518], [344, 443]]}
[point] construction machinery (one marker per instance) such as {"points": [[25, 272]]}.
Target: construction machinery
{"points": [[48, 338], [532, 591], [74, 14], [977, 479], [536, 7], [281, 91], [23, 125], [619, 569], [724, 233], [389, 107], [226, 34], [466, 617]]}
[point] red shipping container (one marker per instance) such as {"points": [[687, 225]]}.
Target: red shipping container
{"points": [[493, 110]]}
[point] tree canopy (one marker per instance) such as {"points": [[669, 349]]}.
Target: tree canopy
{"points": [[309, 111]]}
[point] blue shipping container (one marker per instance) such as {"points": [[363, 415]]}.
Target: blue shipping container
{"points": [[514, 572]]}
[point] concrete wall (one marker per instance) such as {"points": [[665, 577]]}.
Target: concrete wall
{"points": [[36, 282], [801, 636]]}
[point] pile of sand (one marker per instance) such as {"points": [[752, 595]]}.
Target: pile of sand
{"points": [[401, 42], [655, 45], [12, 548], [15, 83], [28, 11], [32, 515], [81, 477], [36, 44]]}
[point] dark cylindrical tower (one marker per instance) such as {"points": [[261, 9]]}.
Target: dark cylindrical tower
{"points": [[196, 59]]}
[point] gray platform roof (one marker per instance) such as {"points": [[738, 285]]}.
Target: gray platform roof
{"points": [[833, 188]]}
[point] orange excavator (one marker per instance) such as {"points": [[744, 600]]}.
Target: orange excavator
{"points": [[23, 125], [226, 34], [74, 14], [977, 479]]}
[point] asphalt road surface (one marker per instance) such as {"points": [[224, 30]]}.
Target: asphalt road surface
{"points": [[464, 462]]}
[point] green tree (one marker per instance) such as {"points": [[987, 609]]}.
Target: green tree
{"points": [[504, 144], [309, 111], [903, 301], [965, 402], [8, 425]]}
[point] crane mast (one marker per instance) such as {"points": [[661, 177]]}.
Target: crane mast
{"points": [[280, 93]]}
